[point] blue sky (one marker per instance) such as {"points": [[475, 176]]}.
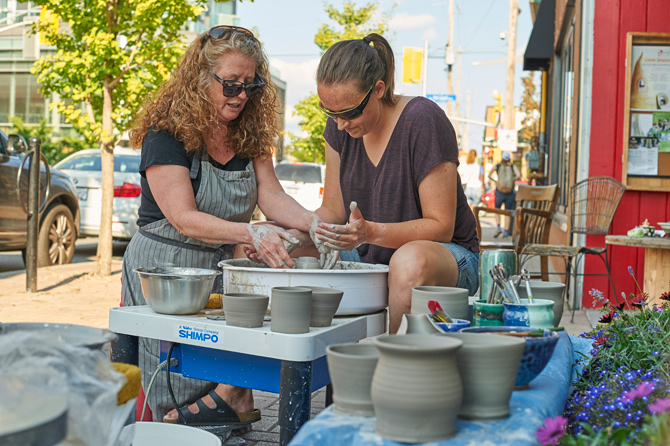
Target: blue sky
{"points": [[287, 29]]}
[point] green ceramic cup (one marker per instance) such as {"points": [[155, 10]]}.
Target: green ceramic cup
{"points": [[490, 257], [487, 315]]}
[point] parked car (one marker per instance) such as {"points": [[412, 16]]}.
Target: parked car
{"points": [[303, 181], [59, 212], [85, 168]]}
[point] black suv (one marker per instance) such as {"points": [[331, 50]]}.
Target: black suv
{"points": [[59, 206]]}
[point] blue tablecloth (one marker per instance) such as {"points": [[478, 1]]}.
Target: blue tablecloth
{"points": [[546, 397]]}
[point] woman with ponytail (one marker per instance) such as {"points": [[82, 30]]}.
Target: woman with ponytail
{"points": [[392, 192]]}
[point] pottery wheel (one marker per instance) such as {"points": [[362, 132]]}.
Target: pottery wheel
{"points": [[30, 415]]}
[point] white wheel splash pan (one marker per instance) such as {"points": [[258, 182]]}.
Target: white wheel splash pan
{"points": [[364, 285]]}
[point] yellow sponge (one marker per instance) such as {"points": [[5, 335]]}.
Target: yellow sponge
{"points": [[214, 302], [133, 380]]}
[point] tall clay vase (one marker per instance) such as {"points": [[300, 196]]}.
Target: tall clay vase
{"points": [[245, 309], [454, 301], [416, 387], [325, 302], [417, 324], [351, 367], [546, 290], [488, 365], [291, 309]]}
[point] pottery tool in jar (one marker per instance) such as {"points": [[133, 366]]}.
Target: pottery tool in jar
{"points": [[436, 312], [526, 278]]}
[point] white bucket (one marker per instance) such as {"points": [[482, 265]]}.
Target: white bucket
{"points": [[166, 434]]}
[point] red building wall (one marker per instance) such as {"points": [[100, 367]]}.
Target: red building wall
{"points": [[613, 20]]}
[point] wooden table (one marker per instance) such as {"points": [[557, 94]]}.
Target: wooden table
{"points": [[656, 261]]}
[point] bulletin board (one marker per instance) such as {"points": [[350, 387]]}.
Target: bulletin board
{"points": [[646, 139]]}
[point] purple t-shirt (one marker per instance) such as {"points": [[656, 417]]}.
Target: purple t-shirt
{"points": [[389, 193]]}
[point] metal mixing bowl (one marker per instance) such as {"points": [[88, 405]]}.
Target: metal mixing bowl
{"points": [[177, 290]]}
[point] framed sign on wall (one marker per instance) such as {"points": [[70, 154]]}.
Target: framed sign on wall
{"points": [[646, 139]]}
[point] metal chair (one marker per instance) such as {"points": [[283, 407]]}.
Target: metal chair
{"points": [[593, 203], [534, 212]]}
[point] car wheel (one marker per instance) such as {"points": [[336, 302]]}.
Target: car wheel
{"points": [[55, 242]]}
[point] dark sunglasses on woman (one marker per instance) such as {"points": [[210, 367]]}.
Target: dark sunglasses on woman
{"points": [[233, 88], [351, 113], [219, 32]]}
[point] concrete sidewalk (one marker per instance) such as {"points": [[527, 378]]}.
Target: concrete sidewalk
{"points": [[71, 294]]}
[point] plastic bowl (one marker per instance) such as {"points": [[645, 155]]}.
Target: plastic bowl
{"points": [[456, 325], [536, 354], [177, 290]]}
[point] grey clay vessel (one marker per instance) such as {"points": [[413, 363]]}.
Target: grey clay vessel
{"points": [[454, 301], [351, 367], [325, 302], [245, 309], [291, 309]]}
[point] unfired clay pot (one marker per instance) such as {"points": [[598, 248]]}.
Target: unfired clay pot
{"points": [[307, 263], [351, 367], [546, 290], [488, 365], [245, 309], [416, 387], [454, 301], [417, 324], [324, 305], [291, 309]]}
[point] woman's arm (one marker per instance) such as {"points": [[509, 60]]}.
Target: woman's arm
{"points": [[332, 207], [437, 192]]}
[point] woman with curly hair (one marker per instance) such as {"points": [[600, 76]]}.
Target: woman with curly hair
{"points": [[206, 162]]}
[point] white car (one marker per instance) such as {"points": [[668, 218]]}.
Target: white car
{"points": [[84, 167], [303, 181]]}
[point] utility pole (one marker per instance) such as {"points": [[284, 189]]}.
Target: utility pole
{"points": [[450, 54], [465, 139], [511, 55], [458, 93]]}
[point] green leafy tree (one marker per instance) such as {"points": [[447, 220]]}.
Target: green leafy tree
{"points": [[530, 126], [351, 23], [109, 55], [53, 151]]}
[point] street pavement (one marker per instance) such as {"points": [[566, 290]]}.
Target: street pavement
{"points": [[73, 294]]}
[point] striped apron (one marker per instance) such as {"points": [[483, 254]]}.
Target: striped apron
{"points": [[228, 195]]}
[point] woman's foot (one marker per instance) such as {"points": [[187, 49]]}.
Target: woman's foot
{"points": [[241, 400]]}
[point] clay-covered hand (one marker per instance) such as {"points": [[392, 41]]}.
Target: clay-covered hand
{"points": [[346, 237], [327, 256], [269, 243]]}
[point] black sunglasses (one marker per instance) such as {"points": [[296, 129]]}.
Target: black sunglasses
{"points": [[218, 32], [233, 88], [351, 113]]}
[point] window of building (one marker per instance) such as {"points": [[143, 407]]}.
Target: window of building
{"points": [[560, 154]]}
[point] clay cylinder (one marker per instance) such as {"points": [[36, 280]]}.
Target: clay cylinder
{"points": [[307, 263], [325, 302], [291, 309], [454, 301], [488, 365], [416, 387], [351, 367], [546, 290], [245, 309]]}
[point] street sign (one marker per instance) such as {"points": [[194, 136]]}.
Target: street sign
{"points": [[507, 139], [442, 98]]}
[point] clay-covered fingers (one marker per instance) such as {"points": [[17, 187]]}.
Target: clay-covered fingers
{"points": [[268, 241], [327, 260]]}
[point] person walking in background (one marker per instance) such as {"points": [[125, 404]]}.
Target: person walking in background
{"points": [[506, 174], [472, 177]]}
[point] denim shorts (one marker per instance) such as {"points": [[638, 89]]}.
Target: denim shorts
{"points": [[468, 265]]}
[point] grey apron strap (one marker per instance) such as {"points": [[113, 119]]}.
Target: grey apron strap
{"points": [[195, 168]]}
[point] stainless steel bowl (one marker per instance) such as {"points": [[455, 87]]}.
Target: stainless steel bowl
{"points": [[177, 290]]}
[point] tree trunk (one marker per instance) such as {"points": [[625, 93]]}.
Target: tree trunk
{"points": [[104, 253]]}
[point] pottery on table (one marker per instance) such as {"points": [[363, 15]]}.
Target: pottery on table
{"points": [[536, 354], [454, 301], [245, 309], [471, 308], [291, 309], [417, 324], [416, 387], [307, 263], [453, 326], [546, 290], [538, 313], [488, 258], [351, 367], [487, 315], [324, 305], [488, 365]]}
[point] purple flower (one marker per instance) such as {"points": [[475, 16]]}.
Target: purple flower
{"points": [[660, 406], [552, 431], [644, 389], [630, 271]]}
